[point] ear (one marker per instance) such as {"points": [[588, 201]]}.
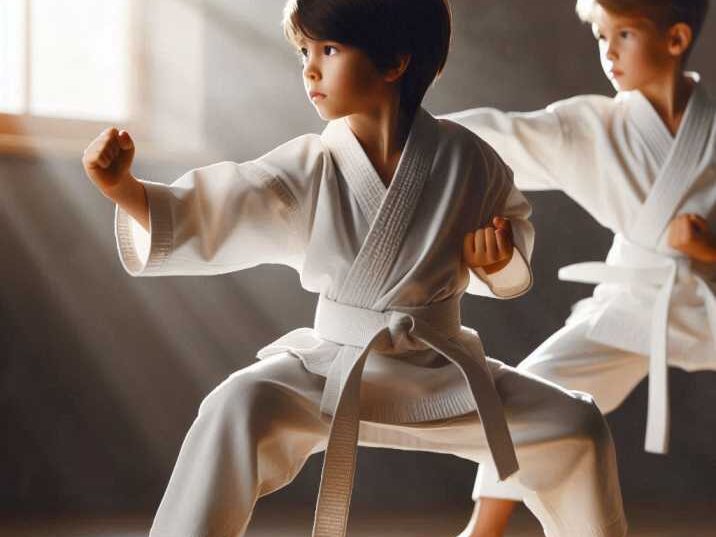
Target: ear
{"points": [[394, 73], [679, 38]]}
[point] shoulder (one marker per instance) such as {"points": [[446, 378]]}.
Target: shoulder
{"points": [[474, 164], [581, 107], [301, 148], [302, 157], [460, 143]]}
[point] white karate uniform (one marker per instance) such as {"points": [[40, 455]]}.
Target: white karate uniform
{"points": [[652, 305], [387, 362]]}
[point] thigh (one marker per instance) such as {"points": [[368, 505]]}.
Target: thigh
{"points": [[270, 396], [537, 411]]}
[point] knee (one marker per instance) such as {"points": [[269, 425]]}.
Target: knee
{"points": [[551, 370]]}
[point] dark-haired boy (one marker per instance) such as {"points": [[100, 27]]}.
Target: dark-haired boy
{"points": [[375, 214]]}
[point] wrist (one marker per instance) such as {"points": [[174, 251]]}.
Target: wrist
{"points": [[123, 190]]}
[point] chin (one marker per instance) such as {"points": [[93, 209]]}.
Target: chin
{"points": [[327, 114], [622, 85]]}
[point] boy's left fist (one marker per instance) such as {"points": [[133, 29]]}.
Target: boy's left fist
{"points": [[690, 235], [489, 248]]}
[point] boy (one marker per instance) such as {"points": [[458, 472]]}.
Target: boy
{"points": [[375, 214], [644, 165]]}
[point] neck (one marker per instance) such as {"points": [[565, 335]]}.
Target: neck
{"points": [[382, 133], [670, 98]]}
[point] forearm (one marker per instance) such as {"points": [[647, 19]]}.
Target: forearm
{"points": [[131, 196]]}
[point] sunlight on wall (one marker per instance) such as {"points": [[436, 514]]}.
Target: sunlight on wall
{"points": [[12, 54], [79, 58], [68, 35]]}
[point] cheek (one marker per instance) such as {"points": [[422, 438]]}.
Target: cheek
{"points": [[358, 87], [642, 63], [362, 78]]}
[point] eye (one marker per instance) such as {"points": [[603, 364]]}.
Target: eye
{"points": [[329, 50], [624, 34], [302, 54]]}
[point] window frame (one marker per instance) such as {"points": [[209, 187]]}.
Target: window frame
{"points": [[27, 133]]}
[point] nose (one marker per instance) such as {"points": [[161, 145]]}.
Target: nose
{"points": [[310, 70], [611, 52]]}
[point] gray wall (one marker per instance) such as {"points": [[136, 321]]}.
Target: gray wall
{"points": [[101, 374]]}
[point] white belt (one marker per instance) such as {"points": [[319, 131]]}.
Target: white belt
{"points": [[434, 326], [657, 421]]}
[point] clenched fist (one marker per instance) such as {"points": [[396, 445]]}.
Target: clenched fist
{"points": [[489, 248], [690, 234], [107, 160]]}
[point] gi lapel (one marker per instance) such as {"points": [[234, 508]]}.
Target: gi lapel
{"points": [[680, 171], [392, 217], [355, 166], [649, 126]]}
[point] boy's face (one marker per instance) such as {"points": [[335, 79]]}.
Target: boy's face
{"points": [[340, 80], [634, 52]]}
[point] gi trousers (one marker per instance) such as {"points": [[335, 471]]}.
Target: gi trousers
{"points": [[254, 432], [570, 359]]}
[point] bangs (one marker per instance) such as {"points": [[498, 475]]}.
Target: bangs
{"points": [[312, 20], [663, 13], [655, 11]]}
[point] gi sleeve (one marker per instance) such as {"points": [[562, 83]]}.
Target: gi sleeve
{"points": [[538, 146], [227, 216], [503, 199]]}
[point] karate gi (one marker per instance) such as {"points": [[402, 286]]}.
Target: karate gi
{"points": [[387, 362], [653, 307]]}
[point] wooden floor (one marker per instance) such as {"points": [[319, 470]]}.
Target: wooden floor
{"points": [[646, 520]]}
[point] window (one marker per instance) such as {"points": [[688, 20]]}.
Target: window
{"points": [[70, 68], [67, 69]]}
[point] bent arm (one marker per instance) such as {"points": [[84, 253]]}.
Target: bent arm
{"points": [[515, 278]]}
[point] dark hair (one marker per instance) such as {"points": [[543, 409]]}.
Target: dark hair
{"points": [[664, 13], [384, 30]]}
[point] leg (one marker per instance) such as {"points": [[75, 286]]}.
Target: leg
{"points": [[252, 435], [568, 475], [571, 360], [489, 518]]}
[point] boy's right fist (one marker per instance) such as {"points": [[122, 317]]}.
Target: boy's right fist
{"points": [[107, 160]]}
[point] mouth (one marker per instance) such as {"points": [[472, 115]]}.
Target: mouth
{"points": [[616, 73], [316, 96]]}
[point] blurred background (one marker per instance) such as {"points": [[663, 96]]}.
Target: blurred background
{"points": [[101, 374]]}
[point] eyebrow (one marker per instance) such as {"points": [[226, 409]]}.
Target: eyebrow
{"points": [[636, 22]]}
